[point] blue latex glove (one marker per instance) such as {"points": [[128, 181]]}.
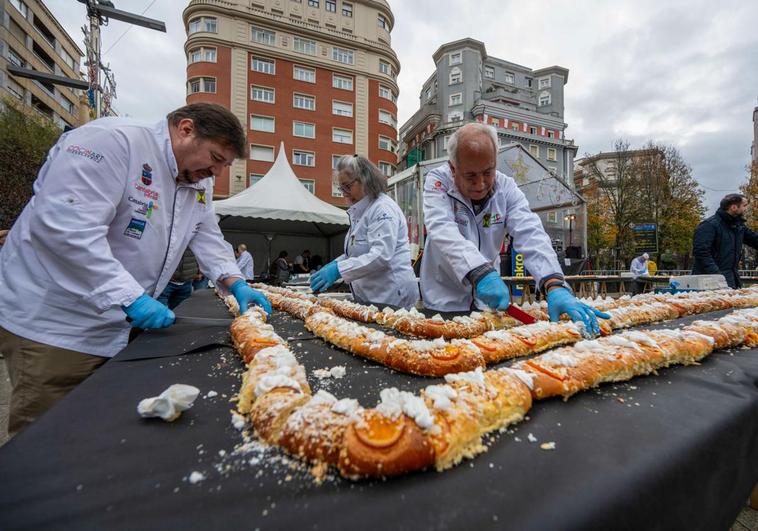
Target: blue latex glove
{"points": [[561, 300], [493, 292], [146, 312], [325, 277], [246, 296]]}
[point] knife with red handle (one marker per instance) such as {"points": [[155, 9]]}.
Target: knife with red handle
{"points": [[519, 314]]}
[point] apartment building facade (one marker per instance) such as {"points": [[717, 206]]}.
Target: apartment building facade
{"points": [[524, 105], [31, 37], [318, 75]]}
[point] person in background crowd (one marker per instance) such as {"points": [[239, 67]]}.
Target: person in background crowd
{"points": [[303, 262], [245, 262], [469, 207], [638, 268], [281, 267], [180, 285], [199, 282], [717, 241], [114, 207], [316, 262], [377, 259]]}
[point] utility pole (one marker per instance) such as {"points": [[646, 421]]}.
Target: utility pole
{"points": [[99, 12]]}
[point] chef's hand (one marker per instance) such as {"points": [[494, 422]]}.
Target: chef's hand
{"points": [[493, 292], [246, 296], [561, 300], [146, 312], [325, 277]]}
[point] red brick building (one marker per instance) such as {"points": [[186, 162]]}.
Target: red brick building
{"points": [[319, 75]]}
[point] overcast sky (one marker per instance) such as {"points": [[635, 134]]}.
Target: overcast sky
{"points": [[678, 72]]}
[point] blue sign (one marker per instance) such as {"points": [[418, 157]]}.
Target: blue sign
{"points": [[517, 270]]}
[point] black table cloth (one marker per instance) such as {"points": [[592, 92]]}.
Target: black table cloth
{"points": [[677, 450]]}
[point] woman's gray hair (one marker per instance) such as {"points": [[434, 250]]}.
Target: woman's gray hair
{"points": [[358, 167], [468, 130]]}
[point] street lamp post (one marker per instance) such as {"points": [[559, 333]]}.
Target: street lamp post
{"points": [[570, 218]]}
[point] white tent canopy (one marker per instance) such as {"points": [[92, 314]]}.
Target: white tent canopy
{"points": [[279, 195]]}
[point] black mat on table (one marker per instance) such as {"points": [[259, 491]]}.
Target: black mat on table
{"points": [[674, 451]]}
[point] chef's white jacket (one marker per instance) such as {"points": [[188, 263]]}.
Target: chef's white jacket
{"points": [[106, 224], [457, 240], [377, 259], [245, 263]]}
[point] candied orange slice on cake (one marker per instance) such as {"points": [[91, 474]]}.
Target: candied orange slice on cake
{"points": [[450, 352], [379, 431], [483, 345], [544, 370]]}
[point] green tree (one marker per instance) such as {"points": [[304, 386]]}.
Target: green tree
{"points": [[25, 140]]}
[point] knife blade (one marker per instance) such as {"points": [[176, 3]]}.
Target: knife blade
{"points": [[519, 314]]}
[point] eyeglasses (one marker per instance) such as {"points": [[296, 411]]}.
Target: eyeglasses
{"points": [[345, 188]]}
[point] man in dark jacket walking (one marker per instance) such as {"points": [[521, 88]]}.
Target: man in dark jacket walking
{"points": [[717, 243]]}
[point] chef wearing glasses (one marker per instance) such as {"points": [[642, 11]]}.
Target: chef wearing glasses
{"points": [[377, 260]]}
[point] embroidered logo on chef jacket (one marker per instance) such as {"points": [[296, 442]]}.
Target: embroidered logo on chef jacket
{"points": [[438, 186], [197, 227], [383, 216], [147, 174], [490, 219], [135, 228], [147, 192], [142, 207], [201, 197], [85, 152]]}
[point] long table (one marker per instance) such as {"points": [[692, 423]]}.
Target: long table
{"points": [[678, 450]]}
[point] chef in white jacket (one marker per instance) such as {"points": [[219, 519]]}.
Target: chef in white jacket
{"points": [[114, 207], [469, 207], [377, 259]]}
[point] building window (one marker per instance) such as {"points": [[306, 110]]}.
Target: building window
{"points": [[532, 130], [69, 60], [386, 168], [386, 93], [202, 84], [303, 158], [534, 151], [456, 98], [207, 24], [264, 153], [551, 134], [429, 93], [552, 154], [445, 140], [544, 98], [347, 9], [544, 82], [302, 101], [552, 217], [341, 108], [15, 58], [515, 126], [262, 36], [303, 130], [455, 76], [304, 74], [510, 77], [21, 7], [262, 123], [263, 94], [265, 66], [15, 89], [489, 72], [342, 82], [331, 6], [455, 116], [198, 55], [456, 58], [529, 82], [386, 144], [384, 67], [254, 178], [386, 118], [313, 3], [382, 22], [342, 55], [342, 136], [309, 184], [305, 46]]}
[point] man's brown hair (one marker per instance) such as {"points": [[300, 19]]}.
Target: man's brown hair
{"points": [[213, 122]]}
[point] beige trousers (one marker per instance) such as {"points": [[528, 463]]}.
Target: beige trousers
{"points": [[40, 376]]}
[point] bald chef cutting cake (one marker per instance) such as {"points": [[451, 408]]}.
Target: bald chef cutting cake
{"points": [[469, 207]]}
